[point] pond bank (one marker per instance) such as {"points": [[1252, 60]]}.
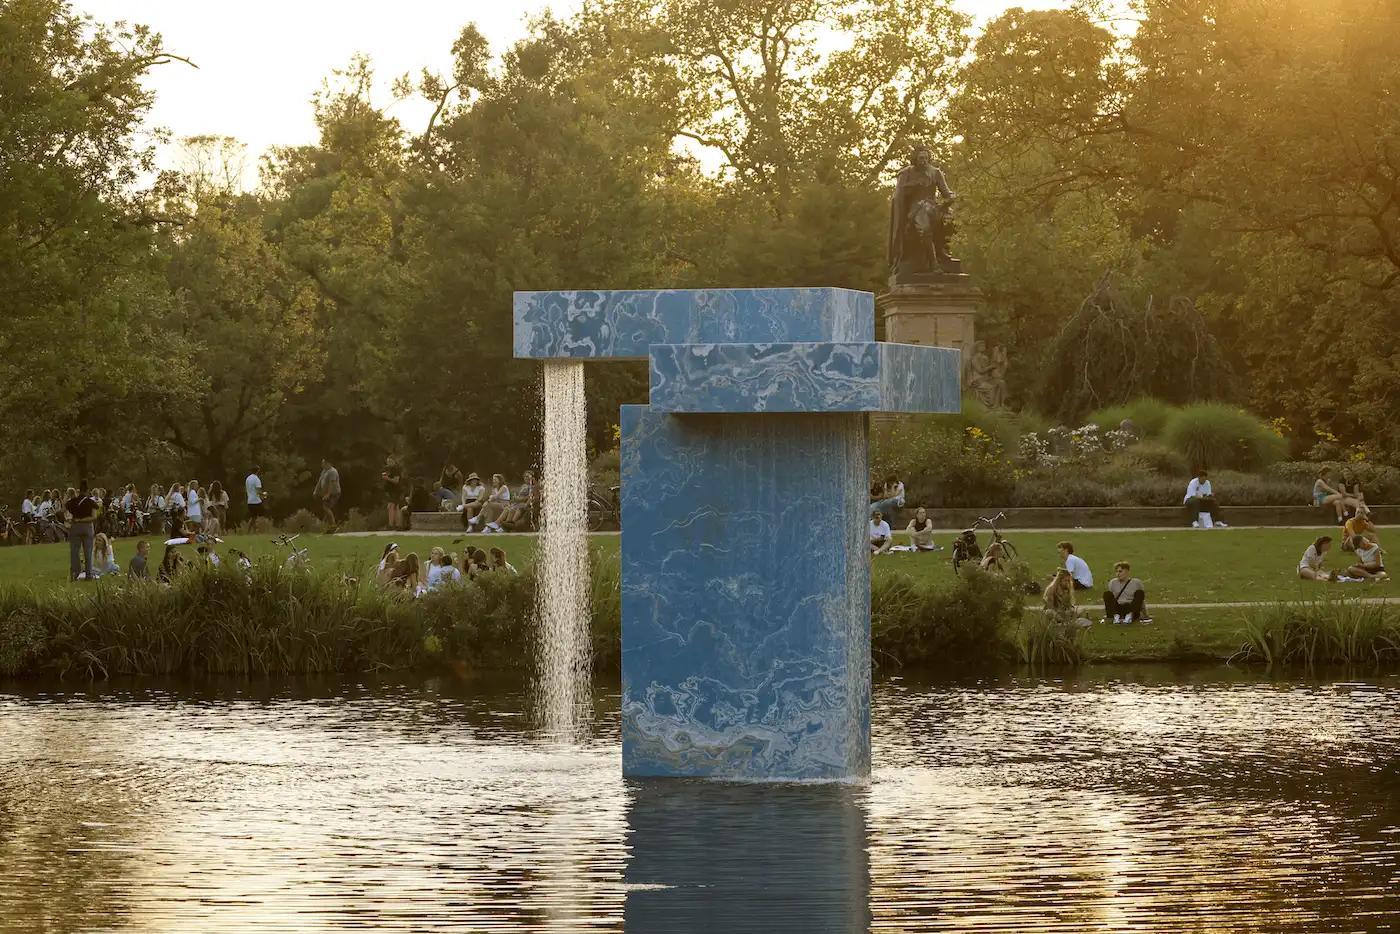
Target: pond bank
{"points": [[280, 621]]}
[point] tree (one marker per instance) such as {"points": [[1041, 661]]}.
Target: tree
{"points": [[82, 288]]}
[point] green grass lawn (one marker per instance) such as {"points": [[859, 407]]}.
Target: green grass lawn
{"points": [[1178, 566]]}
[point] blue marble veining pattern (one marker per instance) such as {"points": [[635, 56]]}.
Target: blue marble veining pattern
{"points": [[918, 378], [745, 596], [804, 377], [623, 324]]}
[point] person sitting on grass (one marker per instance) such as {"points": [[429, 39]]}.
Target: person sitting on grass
{"points": [[1359, 524], [1078, 568], [474, 562], [1200, 498], [994, 561], [406, 574], [499, 562], [104, 556], [1059, 598], [388, 562], [1324, 494], [1310, 567], [171, 564], [1369, 560], [920, 531], [1125, 599], [443, 573], [137, 569], [881, 539]]}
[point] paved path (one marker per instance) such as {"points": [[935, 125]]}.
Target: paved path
{"points": [[1006, 532]]}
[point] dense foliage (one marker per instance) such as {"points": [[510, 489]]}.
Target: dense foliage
{"points": [[1204, 206]]}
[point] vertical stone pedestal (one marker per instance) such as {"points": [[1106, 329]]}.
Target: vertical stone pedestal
{"points": [[745, 595], [941, 312]]}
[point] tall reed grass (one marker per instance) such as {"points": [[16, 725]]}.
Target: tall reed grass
{"points": [[276, 620], [1323, 631]]}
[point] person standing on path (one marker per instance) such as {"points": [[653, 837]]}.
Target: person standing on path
{"points": [[392, 475], [253, 486], [328, 492], [83, 511]]}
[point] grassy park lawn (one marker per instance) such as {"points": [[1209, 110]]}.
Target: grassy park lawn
{"points": [[1178, 567]]}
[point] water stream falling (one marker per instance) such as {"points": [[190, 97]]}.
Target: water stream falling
{"points": [[562, 604]]}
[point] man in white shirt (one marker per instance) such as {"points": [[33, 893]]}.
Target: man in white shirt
{"points": [[1078, 568], [27, 515], [1200, 499], [253, 486], [881, 539]]}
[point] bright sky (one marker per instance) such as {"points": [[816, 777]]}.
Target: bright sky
{"points": [[261, 60]]}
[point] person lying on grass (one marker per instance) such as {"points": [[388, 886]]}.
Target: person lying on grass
{"points": [[1125, 599], [1310, 567], [1369, 560]]}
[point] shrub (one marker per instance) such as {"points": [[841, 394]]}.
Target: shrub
{"points": [[1160, 459], [355, 521], [1044, 640], [22, 640], [941, 464], [1247, 489], [919, 622], [1222, 437], [303, 521], [1148, 415]]}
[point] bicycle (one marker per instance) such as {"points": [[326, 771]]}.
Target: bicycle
{"points": [[965, 547], [11, 532], [604, 509], [297, 557]]}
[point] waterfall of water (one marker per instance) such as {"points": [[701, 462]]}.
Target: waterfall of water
{"points": [[565, 663]]}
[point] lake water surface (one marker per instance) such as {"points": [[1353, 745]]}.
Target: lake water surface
{"points": [[1136, 799]]}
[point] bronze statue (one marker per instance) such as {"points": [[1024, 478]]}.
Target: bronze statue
{"points": [[919, 222]]}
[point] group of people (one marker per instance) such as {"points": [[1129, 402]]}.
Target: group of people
{"points": [[409, 574], [1124, 600], [1361, 540], [489, 508], [126, 512]]}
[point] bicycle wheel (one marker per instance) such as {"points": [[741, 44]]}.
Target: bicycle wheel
{"points": [[1008, 549]]}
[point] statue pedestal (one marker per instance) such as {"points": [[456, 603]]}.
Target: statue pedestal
{"points": [[938, 310]]}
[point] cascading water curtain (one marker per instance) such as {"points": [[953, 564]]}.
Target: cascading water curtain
{"points": [[564, 692]]}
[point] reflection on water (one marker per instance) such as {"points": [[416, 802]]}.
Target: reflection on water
{"points": [[1158, 801]]}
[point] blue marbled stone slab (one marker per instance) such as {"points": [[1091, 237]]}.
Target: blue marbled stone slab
{"points": [[623, 324], [745, 595], [804, 377]]}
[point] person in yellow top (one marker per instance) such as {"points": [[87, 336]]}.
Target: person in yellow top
{"points": [[1359, 524]]}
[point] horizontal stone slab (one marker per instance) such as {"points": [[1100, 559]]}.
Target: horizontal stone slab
{"points": [[621, 325], [857, 376]]}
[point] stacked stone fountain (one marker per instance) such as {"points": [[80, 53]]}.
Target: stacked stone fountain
{"points": [[745, 481]]}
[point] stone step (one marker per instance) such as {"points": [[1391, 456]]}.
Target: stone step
{"points": [[436, 522]]}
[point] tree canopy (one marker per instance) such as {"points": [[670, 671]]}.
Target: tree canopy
{"points": [[1202, 204]]}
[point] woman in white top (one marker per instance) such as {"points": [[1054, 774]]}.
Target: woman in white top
{"points": [[194, 504], [495, 506], [1369, 562], [1310, 568], [104, 556]]}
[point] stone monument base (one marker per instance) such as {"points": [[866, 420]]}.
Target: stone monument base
{"points": [[940, 310]]}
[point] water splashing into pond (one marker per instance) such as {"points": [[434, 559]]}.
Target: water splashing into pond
{"points": [[562, 604]]}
